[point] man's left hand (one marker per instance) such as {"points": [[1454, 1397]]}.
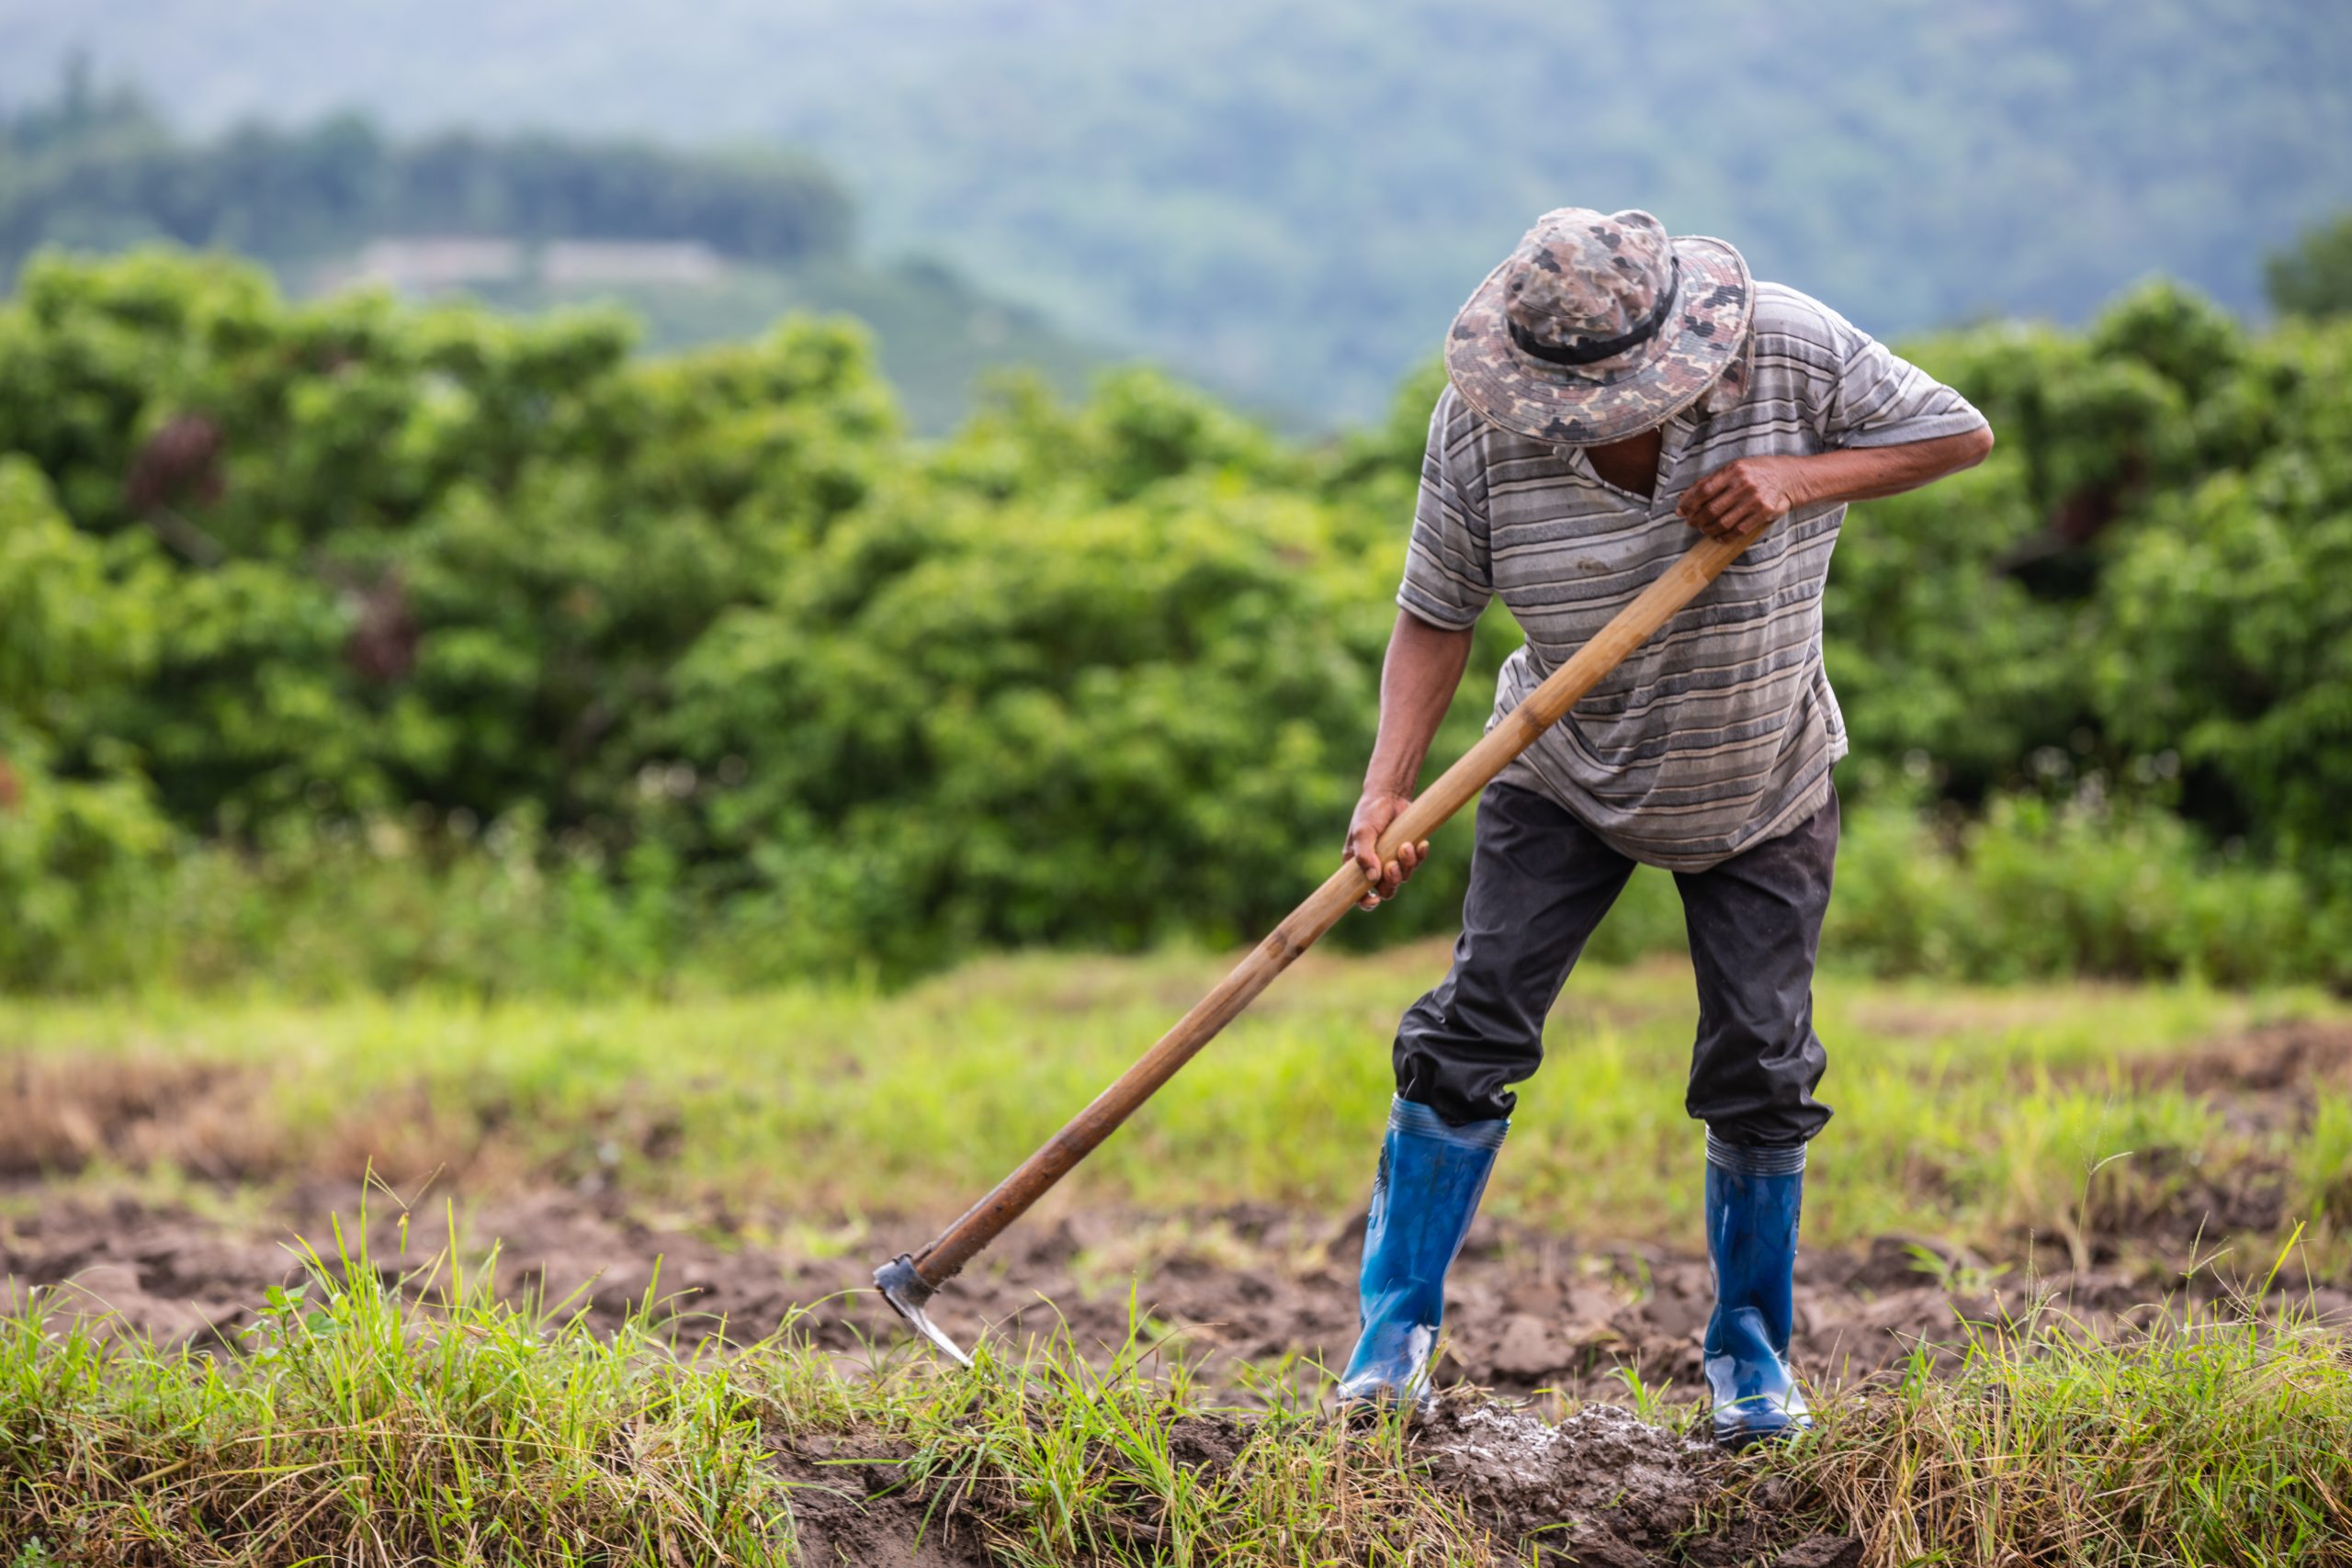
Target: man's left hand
{"points": [[1742, 496]]}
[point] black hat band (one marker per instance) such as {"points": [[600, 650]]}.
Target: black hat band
{"points": [[1592, 351]]}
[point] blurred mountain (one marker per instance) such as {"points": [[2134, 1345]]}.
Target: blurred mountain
{"points": [[1288, 198], [698, 246]]}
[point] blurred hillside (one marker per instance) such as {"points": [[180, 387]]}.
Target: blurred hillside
{"points": [[1287, 198], [699, 245]]}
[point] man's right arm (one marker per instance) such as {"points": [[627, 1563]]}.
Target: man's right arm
{"points": [[1417, 681]]}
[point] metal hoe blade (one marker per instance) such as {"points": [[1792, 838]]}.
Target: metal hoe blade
{"points": [[907, 1291]]}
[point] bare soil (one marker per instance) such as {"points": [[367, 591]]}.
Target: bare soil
{"points": [[1527, 1310], [1548, 1320], [2264, 1079], [1600, 1489]]}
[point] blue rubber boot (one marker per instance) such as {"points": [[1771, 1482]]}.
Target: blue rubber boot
{"points": [[1430, 1178], [1753, 1199]]}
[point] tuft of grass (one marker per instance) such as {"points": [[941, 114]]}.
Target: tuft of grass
{"points": [[1058, 1461], [2324, 1162], [2221, 1439], [426, 1419], [362, 1429]]}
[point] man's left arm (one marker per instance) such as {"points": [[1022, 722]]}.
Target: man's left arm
{"points": [[1744, 495]]}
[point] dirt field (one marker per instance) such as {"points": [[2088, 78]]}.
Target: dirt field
{"points": [[1532, 1313], [1551, 1320], [1544, 1318], [1528, 1309]]}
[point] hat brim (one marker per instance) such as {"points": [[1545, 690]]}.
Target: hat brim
{"points": [[1591, 405]]}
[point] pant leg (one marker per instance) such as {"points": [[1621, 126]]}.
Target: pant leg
{"points": [[1540, 882], [1755, 924]]}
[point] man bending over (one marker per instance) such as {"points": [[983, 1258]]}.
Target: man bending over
{"points": [[1612, 387]]}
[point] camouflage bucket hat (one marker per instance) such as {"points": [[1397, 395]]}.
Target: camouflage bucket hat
{"points": [[1600, 326]]}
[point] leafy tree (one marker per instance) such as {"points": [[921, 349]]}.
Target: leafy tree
{"points": [[711, 634], [2314, 277], [78, 617], [417, 556]]}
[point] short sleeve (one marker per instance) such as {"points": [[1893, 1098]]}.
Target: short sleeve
{"points": [[1877, 399], [1448, 571]]}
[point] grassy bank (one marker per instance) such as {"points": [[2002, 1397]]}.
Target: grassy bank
{"points": [[2073, 1112], [366, 1430]]}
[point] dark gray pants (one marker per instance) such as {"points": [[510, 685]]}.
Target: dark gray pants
{"points": [[1540, 881]]}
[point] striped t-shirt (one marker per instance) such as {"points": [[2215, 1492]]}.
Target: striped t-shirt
{"points": [[1721, 730]]}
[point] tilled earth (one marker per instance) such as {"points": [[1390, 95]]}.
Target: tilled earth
{"points": [[1557, 1317], [1598, 1487], [1527, 1310], [1601, 1489], [1528, 1313]]}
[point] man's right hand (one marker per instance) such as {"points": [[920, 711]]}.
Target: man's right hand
{"points": [[1378, 809]]}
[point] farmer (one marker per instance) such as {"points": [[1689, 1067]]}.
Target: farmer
{"points": [[1612, 387]]}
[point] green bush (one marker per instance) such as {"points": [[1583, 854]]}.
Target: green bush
{"points": [[2036, 889], [74, 852], [355, 645], [2228, 610]]}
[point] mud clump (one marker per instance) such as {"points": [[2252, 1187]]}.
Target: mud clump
{"points": [[850, 1504], [1207, 1441], [1604, 1489], [1601, 1488]]}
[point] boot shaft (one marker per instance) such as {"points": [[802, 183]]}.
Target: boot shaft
{"points": [[1755, 1197], [1430, 1178], [1424, 1194]]}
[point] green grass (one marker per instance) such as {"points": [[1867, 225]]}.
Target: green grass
{"points": [[441, 1422], [366, 1429], [358, 1433], [2202, 1439], [1977, 1114]]}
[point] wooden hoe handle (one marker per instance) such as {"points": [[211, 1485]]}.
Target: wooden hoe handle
{"points": [[1543, 707]]}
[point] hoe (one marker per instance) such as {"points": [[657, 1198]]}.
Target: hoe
{"points": [[909, 1280]]}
